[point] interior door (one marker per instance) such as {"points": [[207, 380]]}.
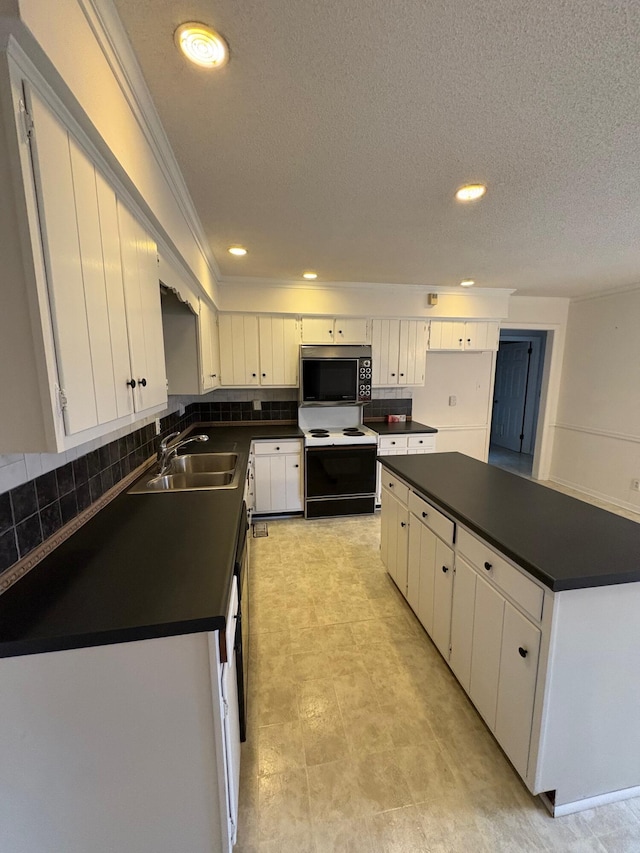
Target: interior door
{"points": [[512, 373]]}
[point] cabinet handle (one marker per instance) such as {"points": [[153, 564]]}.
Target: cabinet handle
{"points": [[213, 375], [522, 652], [445, 569], [390, 485], [425, 514], [142, 382], [132, 383], [403, 524], [488, 566]]}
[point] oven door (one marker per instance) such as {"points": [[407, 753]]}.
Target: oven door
{"points": [[340, 471]]}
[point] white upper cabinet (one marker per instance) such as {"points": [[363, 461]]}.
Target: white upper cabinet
{"points": [[88, 291], [398, 352], [464, 335], [209, 347], [335, 330], [279, 350], [262, 350]]}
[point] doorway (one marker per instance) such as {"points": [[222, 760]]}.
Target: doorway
{"points": [[516, 400]]}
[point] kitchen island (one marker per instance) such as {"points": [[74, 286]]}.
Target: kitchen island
{"points": [[533, 599]]}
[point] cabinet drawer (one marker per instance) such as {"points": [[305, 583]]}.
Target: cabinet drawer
{"points": [[261, 448], [429, 515], [395, 485], [505, 576], [426, 443], [392, 442]]}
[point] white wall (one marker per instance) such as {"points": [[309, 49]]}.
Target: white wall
{"points": [[597, 444], [468, 376]]}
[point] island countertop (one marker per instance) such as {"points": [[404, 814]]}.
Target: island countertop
{"points": [[563, 542]]}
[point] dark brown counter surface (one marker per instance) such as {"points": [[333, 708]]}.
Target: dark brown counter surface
{"points": [[147, 565], [563, 542]]}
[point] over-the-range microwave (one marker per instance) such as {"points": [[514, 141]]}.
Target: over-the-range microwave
{"points": [[335, 375]]}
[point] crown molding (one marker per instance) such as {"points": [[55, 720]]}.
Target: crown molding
{"points": [[603, 294], [111, 36]]}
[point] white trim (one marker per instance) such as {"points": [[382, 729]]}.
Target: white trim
{"points": [[297, 284], [590, 802], [114, 43], [600, 496], [459, 427], [603, 433], [603, 294]]}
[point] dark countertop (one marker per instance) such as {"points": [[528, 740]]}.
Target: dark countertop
{"points": [[147, 565], [563, 542], [383, 428]]}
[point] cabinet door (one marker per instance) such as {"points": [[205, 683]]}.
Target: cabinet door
{"points": [[279, 351], [442, 597], [426, 593], [413, 563], [462, 612], [384, 351], [402, 547], [481, 336], [58, 223], [446, 335], [485, 656], [317, 330], [412, 352], [208, 338], [390, 532], [293, 482], [239, 349], [350, 330], [262, 483], [516, 693]]}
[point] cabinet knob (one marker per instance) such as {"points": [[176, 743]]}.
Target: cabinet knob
{"points": [[339, 331], [264, 374], [402, 374], [132, 383], [522, 652], [277, 448], [425, 514], [445, 569], [420, 441], [213, 375], [142, 382], [393, 442], [390, 485], [403, 524], [393, 374], [488, 566], [296, 465], [330, 331], [254, 374]]}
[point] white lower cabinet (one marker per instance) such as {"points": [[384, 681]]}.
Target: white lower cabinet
{"points": [[401, 444], [462, 620], [129, 746], [394, 538], [486, 645], [278, 476]]}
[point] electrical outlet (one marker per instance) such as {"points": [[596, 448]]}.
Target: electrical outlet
{"points": [[257, 406], [157, 426], [453, 400], [635, 485]]}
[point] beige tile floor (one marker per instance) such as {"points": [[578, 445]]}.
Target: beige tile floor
{"points": [[360, 739]]}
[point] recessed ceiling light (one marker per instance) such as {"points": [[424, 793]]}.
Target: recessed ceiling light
{"points": [[237, 250], [202, 45], [310, 275], [471, 192], [468, 282]]}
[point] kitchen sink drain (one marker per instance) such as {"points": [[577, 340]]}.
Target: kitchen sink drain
{"points": [[260, 528]]}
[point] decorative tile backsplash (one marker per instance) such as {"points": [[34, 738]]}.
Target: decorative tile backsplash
{"points": [[32, 511]]}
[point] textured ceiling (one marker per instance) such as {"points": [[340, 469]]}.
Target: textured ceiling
{"points": [[335, 138]]}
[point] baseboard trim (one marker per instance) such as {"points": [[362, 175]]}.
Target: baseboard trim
{"points": [[592, 493], [589, 802]]}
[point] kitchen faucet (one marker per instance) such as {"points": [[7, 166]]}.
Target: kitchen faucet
{"points": [[167, 451]]}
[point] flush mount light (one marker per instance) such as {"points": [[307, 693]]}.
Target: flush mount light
{"points": [[239, 251], [471, 192], [202, 45], [468, 282], [310, 275]]}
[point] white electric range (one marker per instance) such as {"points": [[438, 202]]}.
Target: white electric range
{"points": [[340, 461]]}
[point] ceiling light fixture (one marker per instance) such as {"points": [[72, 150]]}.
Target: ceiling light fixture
{"points": [[471, 192], [310, 275], [202, 45], [468, 282], [239, 251]]}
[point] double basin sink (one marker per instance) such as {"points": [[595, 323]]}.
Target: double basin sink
{"points": [[194, 472]]}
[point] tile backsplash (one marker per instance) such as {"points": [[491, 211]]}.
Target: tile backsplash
{"points": [[32, 508]]}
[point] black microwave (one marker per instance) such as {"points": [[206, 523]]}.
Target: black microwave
{"points": [[335, 375]]}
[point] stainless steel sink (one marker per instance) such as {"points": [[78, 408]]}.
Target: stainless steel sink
{"points": [[201, 463], [194, 472]]}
